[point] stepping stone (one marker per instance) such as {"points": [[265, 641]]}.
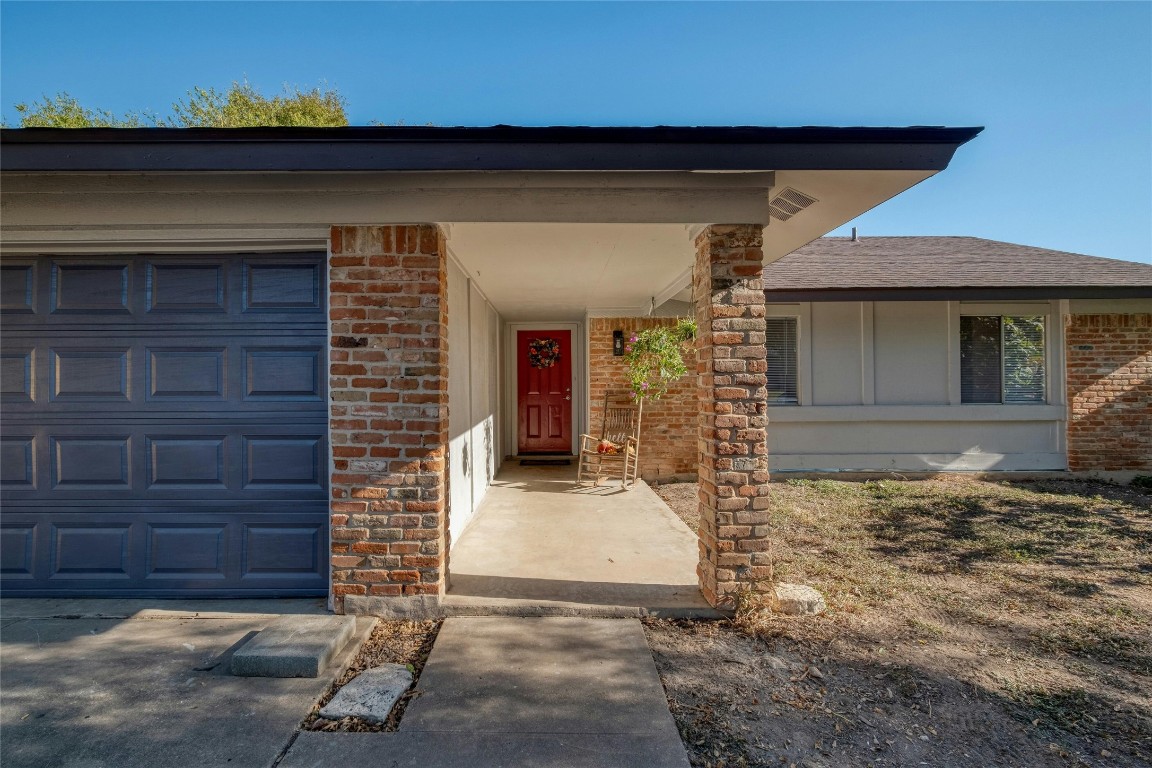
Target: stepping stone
{"points": [[370, 695], [294, 646], [798, 600]]}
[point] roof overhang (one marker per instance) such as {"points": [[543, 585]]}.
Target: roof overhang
{"points": [[498, 148], [962, 293], [624, 200]]}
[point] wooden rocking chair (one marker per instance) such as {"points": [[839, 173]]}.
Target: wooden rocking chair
{"points": [[620, 438]]}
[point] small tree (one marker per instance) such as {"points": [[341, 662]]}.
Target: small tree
{"points": [[655, 358], [241, 106]]}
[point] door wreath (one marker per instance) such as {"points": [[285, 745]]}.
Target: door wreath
{"points": [[543, 353]]}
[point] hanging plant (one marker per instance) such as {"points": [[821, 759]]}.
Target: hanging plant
{"points": [[543, 353], [655, 358]]}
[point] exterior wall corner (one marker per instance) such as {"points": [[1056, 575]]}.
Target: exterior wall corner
{"points": [[388, 413]]}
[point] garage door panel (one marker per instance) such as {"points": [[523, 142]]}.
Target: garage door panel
{"points": [[186, 373], [183, 286], [17, 288], [284, 372], [91, 287], [17, 461], [89, 373], [279, 550], [17, 545], [16, 374], [164, 425], [85, 463], [135, 290], [178, 551], [149, 460], [282, 285], [211, 372], [90, 551], [187, 551]]}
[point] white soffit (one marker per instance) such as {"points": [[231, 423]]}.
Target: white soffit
{"points": [[841, 196], [542, 272]]}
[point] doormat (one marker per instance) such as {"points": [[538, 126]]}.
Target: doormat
{"points": [[545, 462]]}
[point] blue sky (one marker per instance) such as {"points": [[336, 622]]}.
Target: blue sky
{"points": [[1064, 89]]}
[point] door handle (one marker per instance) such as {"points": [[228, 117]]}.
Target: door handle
{"points": [[567, 397]]}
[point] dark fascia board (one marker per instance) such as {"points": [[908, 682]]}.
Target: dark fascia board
{"points": [[1021, 293], [498, 148]]}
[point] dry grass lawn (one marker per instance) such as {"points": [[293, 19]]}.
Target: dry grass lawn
{"points": [[971, 623]]}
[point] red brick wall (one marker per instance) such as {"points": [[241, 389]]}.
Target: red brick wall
{"points": [[1109, 359], [668, 428], [729, 294], [388, 415]]}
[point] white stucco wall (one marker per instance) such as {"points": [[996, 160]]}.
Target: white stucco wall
{"points": [[879, 389], [473, 401]]}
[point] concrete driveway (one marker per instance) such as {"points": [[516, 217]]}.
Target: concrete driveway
{"points": [[126, 683]]}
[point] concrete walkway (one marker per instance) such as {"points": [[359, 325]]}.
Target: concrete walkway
{"points": [[541, 545], [145, 683], [542, 692]]}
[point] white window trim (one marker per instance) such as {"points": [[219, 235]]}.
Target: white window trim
{"points": [[802, 313], [1053, 313]]}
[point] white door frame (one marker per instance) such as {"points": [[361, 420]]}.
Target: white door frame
{"points": [[512, 427]]}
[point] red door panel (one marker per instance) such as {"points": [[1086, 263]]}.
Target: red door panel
{"points": [[544, 391]]}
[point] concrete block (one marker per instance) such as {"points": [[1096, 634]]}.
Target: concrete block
{"points": [[294, 646], [370, 695]]}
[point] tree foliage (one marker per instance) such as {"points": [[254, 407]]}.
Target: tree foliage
{"points": [[241, 106], [63, 111]]}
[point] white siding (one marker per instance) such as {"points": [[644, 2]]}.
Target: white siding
{"points": [[911, 344], [836, 357], [473, 368], [881, 374]]}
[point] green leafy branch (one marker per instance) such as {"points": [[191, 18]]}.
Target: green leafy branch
{"points": [[655, 358]]}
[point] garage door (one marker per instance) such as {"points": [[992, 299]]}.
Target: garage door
{"points": [[164, 425]]}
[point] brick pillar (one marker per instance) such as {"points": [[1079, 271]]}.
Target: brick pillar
{"points": [[728, 291], [388, 419], [1109, 362]]}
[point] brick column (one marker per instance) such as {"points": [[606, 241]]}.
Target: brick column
{"points": [[728, 292], [388, 419], [1109, 361]]}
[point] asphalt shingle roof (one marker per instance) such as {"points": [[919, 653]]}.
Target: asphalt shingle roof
{"points": [[835, 263]]}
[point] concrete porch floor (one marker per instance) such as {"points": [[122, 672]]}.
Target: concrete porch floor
{"points": [[541, 545]]}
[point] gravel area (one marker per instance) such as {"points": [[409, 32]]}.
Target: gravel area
{"points": [[395, 642]]}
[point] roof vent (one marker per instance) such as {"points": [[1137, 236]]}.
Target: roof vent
{"points": [[789, 203]]}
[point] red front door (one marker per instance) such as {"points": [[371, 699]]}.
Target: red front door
{"points": [[544, 391]]}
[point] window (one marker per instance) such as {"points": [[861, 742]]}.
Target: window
{"points": [[781, 344], [1002, 359]]}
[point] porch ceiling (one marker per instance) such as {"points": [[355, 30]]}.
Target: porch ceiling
{"points": [[545, 272], [550, 271]]}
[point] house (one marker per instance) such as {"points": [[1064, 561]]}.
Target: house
{"points": [[277, 362], [928, 354]]}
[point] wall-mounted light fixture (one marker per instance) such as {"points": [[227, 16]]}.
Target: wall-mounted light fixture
{"points": [[618, 343]]}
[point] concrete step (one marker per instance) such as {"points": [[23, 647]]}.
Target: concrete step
{"points": [[542, 692], [294, 646]]}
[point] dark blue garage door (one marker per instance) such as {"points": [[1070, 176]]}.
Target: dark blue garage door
{"points": [[164, 425]]}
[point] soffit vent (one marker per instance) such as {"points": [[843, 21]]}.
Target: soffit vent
{"points": [[789, 203]]}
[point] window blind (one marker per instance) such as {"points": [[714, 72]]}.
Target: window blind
{"points": [[1023, 359], [1002, 359], [781, 353], [979, 359]]}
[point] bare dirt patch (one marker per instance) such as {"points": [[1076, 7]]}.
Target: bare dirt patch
{"points": [[971, 623], [391, 642]]}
